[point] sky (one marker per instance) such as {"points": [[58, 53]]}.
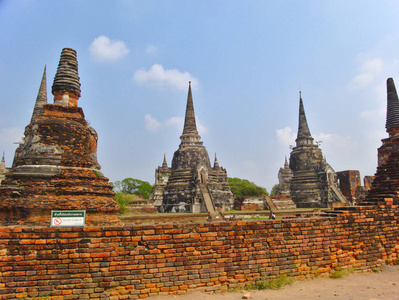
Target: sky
{"points": [[247, 61]]}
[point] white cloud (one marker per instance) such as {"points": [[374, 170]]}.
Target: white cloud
{"points": [[158, 76], [370, 70], [285, 136], [104, 49], [176, 122], [151, 49], [151, 124]]}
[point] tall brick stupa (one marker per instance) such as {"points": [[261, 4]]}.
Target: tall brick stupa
{"points": [[386, 180], [191, 184], [313, 182], [55, 166]]}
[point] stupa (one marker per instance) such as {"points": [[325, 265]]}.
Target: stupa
{"points": [[386, 180], [313, 182], [191, 184], [55, 166]]}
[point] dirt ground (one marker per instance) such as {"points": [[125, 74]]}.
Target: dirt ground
{"points": [[355, 286]]}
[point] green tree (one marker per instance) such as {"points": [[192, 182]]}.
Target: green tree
{"points": [[274, 190], [244, 188], [133, 186]]}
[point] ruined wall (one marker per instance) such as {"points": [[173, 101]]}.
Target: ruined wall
{"points": [[140, 261]]}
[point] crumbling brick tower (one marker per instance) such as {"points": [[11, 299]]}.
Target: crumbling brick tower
{"points": [[192, 184], [55, 166], [386, 180]]}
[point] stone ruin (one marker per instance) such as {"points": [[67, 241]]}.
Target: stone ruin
{"points": [[308, 178], [55, 166], [349, 183], [3, 169], [385, 183], [191, 184]]}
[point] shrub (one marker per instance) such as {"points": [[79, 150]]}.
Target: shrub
{"points": [[339, 273], [270, 284]]}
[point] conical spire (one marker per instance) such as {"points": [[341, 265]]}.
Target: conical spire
{"points": [[3, 163], [190, 133], [66, 86], [164, 163], [41, 98], [286, 165], [190, 125], [392, 121], [216, 163], [304, 136]]}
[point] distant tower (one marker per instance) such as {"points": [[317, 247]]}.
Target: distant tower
{"points": [[284, 180], [55, 166], [3, 169], [193, 185], [314, 182], [385, 183]]}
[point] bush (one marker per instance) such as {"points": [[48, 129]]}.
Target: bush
{"points": [[339, 273], [270, 284], [124, 200]]}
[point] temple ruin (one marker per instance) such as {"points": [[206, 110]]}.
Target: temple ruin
{"points": [[385, 183], [191, 184], [313, 182], [3, 169], [55, 166]]}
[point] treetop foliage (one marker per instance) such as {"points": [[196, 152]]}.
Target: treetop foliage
{"points": [[133, 186], [244, 188]]}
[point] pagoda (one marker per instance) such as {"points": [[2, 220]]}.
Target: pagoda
{"points": [[55, 166], [191, 184], [385, 183], [313, 182]]}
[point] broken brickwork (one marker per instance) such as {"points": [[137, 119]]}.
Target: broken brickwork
{"points": [[55, 166], [121, 262], [348, 182], [385, 183]]}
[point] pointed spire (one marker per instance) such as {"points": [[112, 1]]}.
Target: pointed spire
{"points": [[66, 86], [303, 128], [164, 163], [216, 163], [190, 133], [190, 125], [3, 163], [41, 98], [286, 165], [392, 120]]}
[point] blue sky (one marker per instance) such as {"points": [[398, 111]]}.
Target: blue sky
{"points": [[247, 61]]}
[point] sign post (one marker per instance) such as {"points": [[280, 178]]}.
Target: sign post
{"points": [[68, 218]]}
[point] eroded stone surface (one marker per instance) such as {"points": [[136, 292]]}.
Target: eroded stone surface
{"points": [[191, 181], [55, 166]]}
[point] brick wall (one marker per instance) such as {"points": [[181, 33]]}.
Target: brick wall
{"points": [[139, 261]]}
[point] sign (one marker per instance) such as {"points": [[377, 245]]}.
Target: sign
{"points": [[65, 218]]}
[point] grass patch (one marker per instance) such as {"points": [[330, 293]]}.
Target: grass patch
{"points": [[339, 273], [375, 270], [270, 284]]}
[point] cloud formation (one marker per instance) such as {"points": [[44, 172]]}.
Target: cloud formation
{"points": [[285, 136], [153, 125], [151, 49], [370, 70], [104, 49], [160, 77]]}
